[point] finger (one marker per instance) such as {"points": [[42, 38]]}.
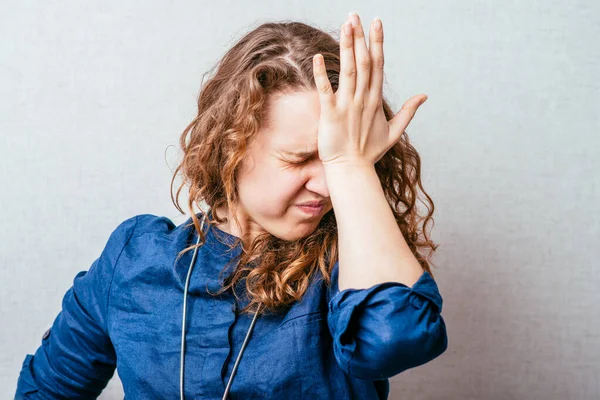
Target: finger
{"points": [[362, 57], [401, 120], [376, 51], [347, 78], [326, 97]]}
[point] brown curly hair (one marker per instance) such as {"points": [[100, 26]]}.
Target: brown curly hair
{"points": [[274, 58]]}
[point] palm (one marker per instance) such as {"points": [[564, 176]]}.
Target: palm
{"points": [[353, 126]]}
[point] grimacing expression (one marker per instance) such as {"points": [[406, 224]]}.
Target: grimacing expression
{"points": [[282, 169]]}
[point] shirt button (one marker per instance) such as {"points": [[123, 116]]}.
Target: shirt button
{"points": [[46, 334]]}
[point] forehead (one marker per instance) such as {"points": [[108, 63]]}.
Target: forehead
{"points": [[292, 120]]}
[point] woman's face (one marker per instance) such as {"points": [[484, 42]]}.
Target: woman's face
{"points": [[274, 179]]}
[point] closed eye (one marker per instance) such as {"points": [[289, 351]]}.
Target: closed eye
{"points": [[300, 162]]}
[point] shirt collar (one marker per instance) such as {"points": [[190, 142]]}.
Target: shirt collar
{"points": [[219, 249]]}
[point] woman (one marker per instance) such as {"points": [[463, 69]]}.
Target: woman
{"points": [[306, 279]]}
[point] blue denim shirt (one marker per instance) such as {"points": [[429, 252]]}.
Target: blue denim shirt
{"points": [[125, 312]]}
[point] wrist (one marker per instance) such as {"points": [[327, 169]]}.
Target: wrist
{"points": [[349, 176], [349, 165]]}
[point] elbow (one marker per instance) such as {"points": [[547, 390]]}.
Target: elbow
{"points": [[410, 351], [387, 352]]}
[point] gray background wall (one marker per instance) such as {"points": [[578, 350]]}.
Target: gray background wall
{"points": [[95, 92]]}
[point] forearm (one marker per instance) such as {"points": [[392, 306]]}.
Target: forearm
{"points": [[372, 249]]}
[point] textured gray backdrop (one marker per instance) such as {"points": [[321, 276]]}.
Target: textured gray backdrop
{"points": [[94, 92]]}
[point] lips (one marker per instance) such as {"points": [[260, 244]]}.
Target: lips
{"points": [[311, 210], [314, 204]]}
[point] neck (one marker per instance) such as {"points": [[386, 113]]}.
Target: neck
{"points": [[229, 226]]}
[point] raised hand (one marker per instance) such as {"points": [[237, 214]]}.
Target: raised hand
{"points": [[352, 126]]}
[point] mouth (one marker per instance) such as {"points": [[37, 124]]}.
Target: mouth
{"points": [[311, 210]]}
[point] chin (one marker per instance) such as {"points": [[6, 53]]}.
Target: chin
{"points": [[294, 235]]}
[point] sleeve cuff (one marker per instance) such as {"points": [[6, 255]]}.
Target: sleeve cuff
{"points": [[425, 288]]}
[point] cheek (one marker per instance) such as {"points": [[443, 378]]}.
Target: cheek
{"points": [[270, 190], [283, 188]]}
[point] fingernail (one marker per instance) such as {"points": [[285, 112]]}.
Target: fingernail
{"points": [[348, 28], [377, 24], [353, 18]]}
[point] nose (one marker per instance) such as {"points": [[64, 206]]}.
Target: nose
{"points": [[316, 181]]}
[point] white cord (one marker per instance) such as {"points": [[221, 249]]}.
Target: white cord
{"points": [[183, 322], [183, 325], [239, 357]]}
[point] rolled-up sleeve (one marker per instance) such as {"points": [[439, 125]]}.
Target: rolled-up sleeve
{"points": [[76, 358], [388, 328]]}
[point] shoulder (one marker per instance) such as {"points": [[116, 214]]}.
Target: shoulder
{"points": [[146, 252], [139, 225], [133, 247], [137, 232], [152, 224]]}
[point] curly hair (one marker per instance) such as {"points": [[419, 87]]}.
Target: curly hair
{"points": [[276, 57]]}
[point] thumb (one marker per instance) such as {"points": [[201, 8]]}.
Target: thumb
{"points": [[401, 120]]}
